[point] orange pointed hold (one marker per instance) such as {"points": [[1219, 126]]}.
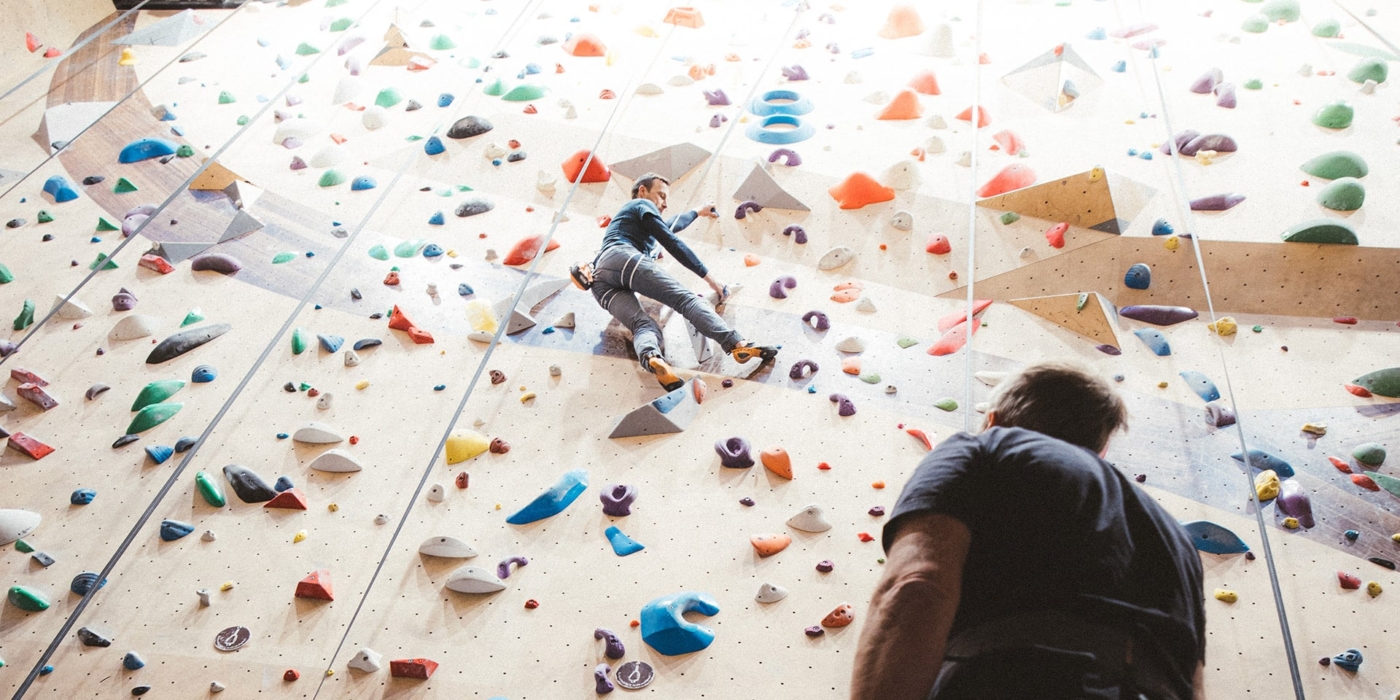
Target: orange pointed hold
{"points": [[905, 105], [921, 436], [1010, 142], [292, 499], [32, 42], [596, 172], [925, 83], [953, 319], [843, 615], [777, 461], [1012, 177], [316, 586], [903, 21], [684, 17], [860, 189], [953, 340], [982, 118], [417, 669], [526, 249], [585, 44], [1055, 235], [768, 545], [399, 322]]}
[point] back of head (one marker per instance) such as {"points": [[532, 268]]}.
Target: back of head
{"points": [[1060, 400]]}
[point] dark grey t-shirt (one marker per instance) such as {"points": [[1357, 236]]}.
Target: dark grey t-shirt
{"points": [[1056, 527]]}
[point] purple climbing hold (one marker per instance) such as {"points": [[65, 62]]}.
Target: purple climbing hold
{"points": [[734, 453], [716, 98], [716, 121], [614, 648], [1107, 349], [823, 323], [795, 72], [1219, 415], [1225, 96], [503, 568], [603, 686], [787, 155], [1217, 202], [814, 631], [775, 290], [1220, 143], [1205, 84], [746, 207], [826, 566], [802, 369], [728, 383], [798, 233], [1294, 501], [746, 501], [123, 300], [216, 262], [1179, 141], [844, 406], [877, 511], [298, 163], [1158, 315], [617, 499]]}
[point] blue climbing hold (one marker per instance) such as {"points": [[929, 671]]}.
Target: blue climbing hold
{"points": [[553, 501], [433, 146], [1096, 34], [440, 387], [437, 219], [465, 289], [145, 149], [1349, 660], [203, 374], [1214, 539], [330, 343], [1260, 459], [60, 189], [445, 99], [1162, 228], [1202, 385], [1119, 67], [159, 453], [132, 661], [666, 631], [171, 530], [82, 583], [282, 436], [1154, 340], [622, 544], [432, 250], [82, 497], [283, 483], [1139, 276], [547, 330], [363, 182], [1352, 535], [532, 69]]}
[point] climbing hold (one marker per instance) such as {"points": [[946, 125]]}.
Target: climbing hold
{"points": [[315, 433], [216, 262], [1260, 459], [622, 544], [553, 501], [159, 453], [666, 630], [1158, 315], [1055, 235], [1383, 382], [778, 461], [133, 661], [1373, 589], [776, 290], [171, 530], [1139, 276], [810, 519], [746, 207], [836, 257], [905, 105], [1267, 485], [1322, 231], [1225, 595], [474, 579], [446, 547], [617, 499], [595, 171], [145, 149], [1216, 202], [474, 206], [290, 499], [1343, 194], [151, 416], [1011, 177], [527, 248], [734, 453], [316, 586], [82, 497], [366, 659], [1223, 326], [1349, 660], [15, 524], [1219, 416], [417, 668], [844, 406], [210, 490], [858, 190], [1294, 502], [1214, 539], [1335, 165], [1334, 115], [1370, 454], [469, 126], [156, 392], [769, 544], [400, 322], [247, 485], [1154, 340]]}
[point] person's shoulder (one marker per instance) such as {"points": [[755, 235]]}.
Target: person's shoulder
{"points": [[1028, 449], [640, 207]]}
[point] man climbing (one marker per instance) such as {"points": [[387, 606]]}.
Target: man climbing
{"points": [[626, 266], [1021, 565]]}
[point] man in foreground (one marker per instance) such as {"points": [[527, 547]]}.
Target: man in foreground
{"points": [[1022, 566]]}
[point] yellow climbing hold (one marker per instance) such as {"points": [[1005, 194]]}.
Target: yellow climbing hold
{"points": [[1266, 485], [462, 445], [498, 506], [330, 672], [1095, 174], [1161, 385], [1395, 537], [1225, 326], [1172, 242], [1318, 429], [1373, 589], [333, 507], [228, 586], [128, 58], [527, 397], [452, 253], [480, 316], [301, 535], [1226, 595], [1290, 523], [362, 384]]}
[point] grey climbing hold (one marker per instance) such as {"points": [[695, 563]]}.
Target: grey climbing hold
{"points": [[810, 519], [133, 327], [15, 523], [668, 414], [315, 433], [248, 485], [446, 547], [84, 582], [770, 593], [468, 126], [336, 460], [93, 638], [474, 579], [171, 530], [474, 206], [1219, 416], [1261, 460], [95, 391], [185, 341]]}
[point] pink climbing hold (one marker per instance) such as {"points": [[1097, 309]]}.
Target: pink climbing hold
{"points": [[1348, 581], [953, 340], [938, 245], [1009, 141], [1012, 177], [1055, 235], [953, 319]]}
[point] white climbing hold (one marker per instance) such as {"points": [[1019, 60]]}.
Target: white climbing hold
{"points": [[323, 401], [71, 310], [1025, 252], [332, 155], [446, 547], [474, 579], [208, 536], [1368, 87], [902, 220], [680, 80], [934, 145], [203, 594], [836, 257], [937, 122], [216, 687], [381, 519], [865, 305], [347, 89], [854, 78], [367, 660], [545, 182], [15, 523], [565, 321], [375, 117], [649, 89], [315, 433], [480, 336], [878, 97], [133, 327], [982, 406], [336, 461], [570, 112], [810, 519], [964, 159], [770, 593], [991, 378], [903, 175], [352, 358], [851, 344], [493, 150], [303, 129], [436, 493]]}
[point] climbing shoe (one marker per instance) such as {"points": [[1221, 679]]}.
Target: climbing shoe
{"points": [[746, 351], [582, 275], [664, 374]]}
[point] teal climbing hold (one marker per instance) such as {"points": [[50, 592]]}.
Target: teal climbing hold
{"points": [[1382, 382], [156, 392], [388, 97], [524, 93], [1139, 276], [441, 42], [496, 88], [665, 629], [145, 149], [298, 341], [171, 530], [1370, 454], [151, 416], [1281, 10], [409, 249], [1327, 28], [305, 49], [437, 219], [1343, 194], [378, 252], [342, 24], [60, 189], [331, 178], [622, 544], [1334, 115], [1370, 68], [285, 256], [1387, 482], [553, 501], [1334, 165], [1202, 385], [1154, 340], [1322, 231], [1214, 539]]}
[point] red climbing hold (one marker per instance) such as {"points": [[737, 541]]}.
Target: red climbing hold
{"points": [[30, 446], [860, 189], [1365, 482], [1009, 141], [1055, 235], [953, 340], [292, 499], [391, 279], [596, 172], [953, 319], [938, 245], [1340, 464], [526, 249], [925, 83], [586, 44], [904, 106], [1012, 177], [982, 118], [921, 437], [1361, 391], [52, 52], [1345, 320], [399, 322], [463, 479], [291, 675], [419, 669], [157, 263], [1348, 581], [31, 42], [316, 586]]}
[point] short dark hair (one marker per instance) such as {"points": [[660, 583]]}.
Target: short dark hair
{"points": [[1063, 401], [646, 181]]}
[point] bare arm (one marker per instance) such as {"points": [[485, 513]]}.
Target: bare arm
{"points": [[1199, 682], [912, 609]]}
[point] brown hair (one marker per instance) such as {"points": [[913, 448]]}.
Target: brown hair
{"points": [[646, 181], [1063, 401]]}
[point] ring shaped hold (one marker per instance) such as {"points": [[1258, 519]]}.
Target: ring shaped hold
{"points": [[780, 102], [763, 131]]}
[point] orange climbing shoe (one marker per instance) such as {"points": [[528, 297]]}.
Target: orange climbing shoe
{"points": [[664, 374], [582, 275], [746, 351]]}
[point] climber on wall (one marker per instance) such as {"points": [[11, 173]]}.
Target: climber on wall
{"points": [[626, 266], [1022, 565]]}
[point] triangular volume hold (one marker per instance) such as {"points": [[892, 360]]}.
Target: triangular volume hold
{"points": [[760, 187], [1085, 313], [671, 162], [1054, 79], [177, 252], [671, 413], [243, 223], [215, 178], [1086, 200]]}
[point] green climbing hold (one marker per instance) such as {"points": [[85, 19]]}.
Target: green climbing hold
{"points": [[496, 88], [331, 178], [25, 318], [123, 186], [1281, 10], [104, 262], [1255, 24], [226, 97], [43, 216], [1389, 483], [473, 62], [1258, 329], [1343, 194], [342, 24], [906, 342], [408, 249], [185, 150], [1254, 84], [191, 318], [1369, 453], [388, 97], [6, 276], [870, 378], [946, 405], [524, 93], [335, 3], [242, 120], [305, 49], [303, 79], [1336, 165], [210, 489], [1327, 28], [151, 416], [284, 256], [1010, 217], [1369, 69], [104, 225], [298, 341], [23, 547], [441, 42], [1334, 115], [1382, 382], [156, 392], [1322, 231], [378, 252], [26, 598]]}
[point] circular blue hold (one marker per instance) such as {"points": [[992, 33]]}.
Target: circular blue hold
{"points": [[763, 131], [445, 99], [812, 388], [532, 68], [82, 583], [283, 483], [432, 250], [1139, 276], [780, 102], [132, 662], [82, 497], [203, 374], [495, 161], [1352, 535], [364, 182]]}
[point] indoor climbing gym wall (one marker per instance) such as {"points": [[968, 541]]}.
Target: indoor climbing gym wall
{"points": [[301, 401]]}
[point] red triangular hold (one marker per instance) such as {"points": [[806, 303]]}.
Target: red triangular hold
{"points": [[953, 319], [316, 586], [32, 42], [421, 669], [596, 172], [30, 445], [292, 498], [399, 322], [526, 249], [953, 340]]}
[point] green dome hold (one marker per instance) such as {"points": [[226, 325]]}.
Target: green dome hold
{"points": [[1369, 454], [1322, 231], [1327, 28], [524, 93], [1254, 84], [1255, 24], [1382, 382], [26, 598], [1334, 115], [388, 97], [1344, 194], [305, 49], [408, 249], [1281, 10], [1337, 164], [151, 416], [342, 24], [185, 150], [331, 178], [226, 98], [442, 42], [1369, 69], [378, 252], [496, 88]]}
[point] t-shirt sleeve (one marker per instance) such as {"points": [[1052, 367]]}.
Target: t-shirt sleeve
{"points": [[944, 482], [658, 229], [683, 221]]}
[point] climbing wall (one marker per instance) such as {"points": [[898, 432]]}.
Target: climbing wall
{"points": [[366, 211]]}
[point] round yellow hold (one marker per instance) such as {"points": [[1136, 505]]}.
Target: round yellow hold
{"points": [[333, 507], [1395, 537], [452, 253], [1290, 523], [330, 672], [1172, 242], [1095, 174], [1374, 589], [1267, 485], [301, 535], [1226, 595], [498, 506]]}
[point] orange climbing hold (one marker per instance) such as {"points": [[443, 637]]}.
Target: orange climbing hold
{"points": [[1055, 235], [905, 105], [843, 615], [31, 42], [399, 322], [851, 365], [1012, 177], [953, 340], [526, 249], [860, 189], [316, 586], [751, 260], [768, 545], [982, 118], [1009, 141], [1361, 391], [1340, 464], [938, 245], [953, 319], [921, 437], [1365, 482], [925, 83], [777, 461], [418, 669], [585, 44], [596, 172], [845, 296], [291, 499], [52, 52], [684, 17], [32, 447], [392, 279], [903, 21]]}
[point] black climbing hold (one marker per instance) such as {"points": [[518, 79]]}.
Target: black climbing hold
{"points": [[290, 387], [185, 443], [515, 156], [248, 485], [465, 289], [14, 223], [48, 237], [185, 341], [93, 179], [1382, 562], [363, 343], [355, 294], [455, 266], [90, 638], [125, 440], [469, 126], [141, 690], [376, 315]]}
